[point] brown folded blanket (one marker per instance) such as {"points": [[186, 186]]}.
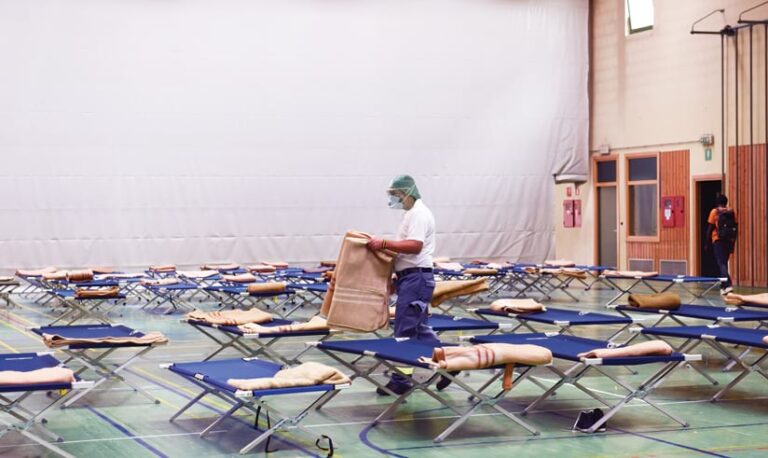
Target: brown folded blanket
{"points": [[270, 287], [35, 272], [480, 272], [161, 282], [276, 264], [261, 269], [316, 323], [120, 276], [231, 317], [629, 273], [517, 306], [316, 270], [661, 301], [566, 272], [358, 295], [102, 270], [218, 267], [54, 340], [44, 376], [57, 275], [330, 264], [305, 374], [488, 355], [198, 274], [163, 268], [559, 263], [650, 348], [738, 299], [79, 275], [445, 290], [240, 278], [105, 293]]}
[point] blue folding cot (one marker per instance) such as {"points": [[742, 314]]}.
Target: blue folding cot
{"points": [[212, 376], [568, 348], [19, 417]]}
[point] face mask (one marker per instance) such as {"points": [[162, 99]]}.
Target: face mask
{"points": [[395, 203]]}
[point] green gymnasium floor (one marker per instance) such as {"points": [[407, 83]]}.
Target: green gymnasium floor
{"points": [[116, 422]]}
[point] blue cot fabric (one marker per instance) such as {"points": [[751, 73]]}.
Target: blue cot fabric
{"points": [[405, 352], [705, 312], [442, 323], [569, 347], [727, 334], [216, 373], [553, 315], [92, 331], [25, 362]]}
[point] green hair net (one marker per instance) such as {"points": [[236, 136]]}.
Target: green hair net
{"points": [[406, 184]]}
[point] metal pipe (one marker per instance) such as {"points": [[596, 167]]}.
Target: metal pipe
{"points": [[736, 119], [751, 167]]}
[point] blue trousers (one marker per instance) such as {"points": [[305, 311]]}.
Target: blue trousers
{"points": [[414, 293], [723, 252]]}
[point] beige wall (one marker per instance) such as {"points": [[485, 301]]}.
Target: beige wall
{"points": [[659, 91]]}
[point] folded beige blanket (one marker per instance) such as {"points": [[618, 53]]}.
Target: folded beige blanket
{"points": [[276, 264], [218, 267], [517, 306], [58, 275], [316, 323], [35, 272], [198, 274], [5, 279], [231, 317], [54, 340], [105, 293], [738, 299], [480, 272], [163, 268], [305, 374], [270, 287], [39, 376], [445, 290], [661, 301], [566, 272], [240, 278], [358, 294], [483, 356], [649, 348], [440, 259], [449, 266], [629, 273], [161, 282], [559, 263], [261, 268]]}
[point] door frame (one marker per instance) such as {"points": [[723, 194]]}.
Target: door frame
{"points": [[596, 209], [696, 236]]}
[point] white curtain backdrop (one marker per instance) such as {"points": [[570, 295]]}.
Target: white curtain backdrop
{"points": [[188, 131]]}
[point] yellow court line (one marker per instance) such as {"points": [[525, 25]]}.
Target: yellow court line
{"points": [[32, 336]]}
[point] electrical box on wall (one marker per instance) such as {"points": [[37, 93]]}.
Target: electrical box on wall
{"points": [[673, 211], [568, 217], [679, 208], [667, 212], [577, 213]]}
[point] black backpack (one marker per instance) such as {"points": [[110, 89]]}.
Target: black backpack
{"points": [[727, 229]]}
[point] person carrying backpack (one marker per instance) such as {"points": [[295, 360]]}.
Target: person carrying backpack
{"points": [[722, 230]]}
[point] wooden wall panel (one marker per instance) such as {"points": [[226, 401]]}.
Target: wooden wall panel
{"points": [[674, 180], [746, 190]]}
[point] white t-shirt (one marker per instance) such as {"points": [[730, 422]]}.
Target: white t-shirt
{"points": [[418, 224]]}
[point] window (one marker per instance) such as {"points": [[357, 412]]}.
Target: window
{"points": [[639, 15], [606, 171], [643, 197]]}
